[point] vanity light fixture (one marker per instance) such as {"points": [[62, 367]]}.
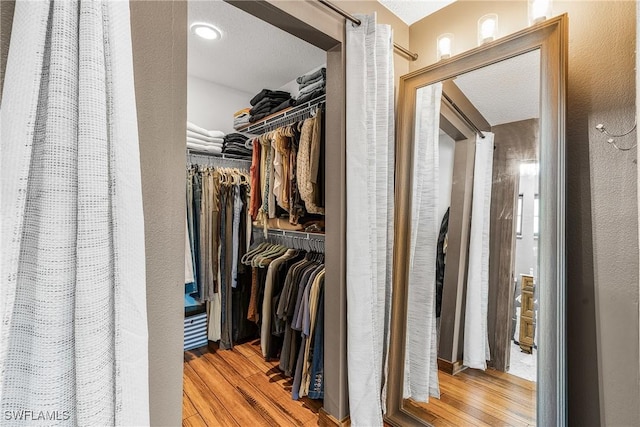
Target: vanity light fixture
{"points": [[487, 28], [206, 31], [444, 46], [539, 10]]}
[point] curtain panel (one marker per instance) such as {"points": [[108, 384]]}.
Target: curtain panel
{"points": [[73, 337], [370, 170]]}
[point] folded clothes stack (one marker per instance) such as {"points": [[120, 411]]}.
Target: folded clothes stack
{"points": [[268, 102], [241, 118], [238, 146], [311, 86], [205, 141]]}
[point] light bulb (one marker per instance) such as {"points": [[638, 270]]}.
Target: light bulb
{"points": [[487, 28], [539, 10], [445, 46]]}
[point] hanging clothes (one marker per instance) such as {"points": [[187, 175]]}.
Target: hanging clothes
{"points": [[218, 202], [441, 257], [287, 177], [286, 298]]}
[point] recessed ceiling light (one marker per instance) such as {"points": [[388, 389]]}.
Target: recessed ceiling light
{"points": [[206, 31]]}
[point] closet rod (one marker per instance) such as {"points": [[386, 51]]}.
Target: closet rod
{"points": [[346, 15], [300, 234], [312, 242], [463, 115]]}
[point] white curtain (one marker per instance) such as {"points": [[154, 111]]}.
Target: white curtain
{"points": [[73, 337], [421, 360], [370, 148], [476, 339]]}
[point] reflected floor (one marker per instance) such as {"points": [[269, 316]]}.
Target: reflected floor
{"points": [[477, 398], [523, 364]]}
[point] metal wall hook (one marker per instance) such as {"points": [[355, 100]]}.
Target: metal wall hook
{"points": [[611, 140]]}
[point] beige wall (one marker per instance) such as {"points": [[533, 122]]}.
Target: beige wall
{"points": [[159, 36], [324, 19], [460, 19], [602, 242]]}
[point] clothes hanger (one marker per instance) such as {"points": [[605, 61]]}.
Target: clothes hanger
{"points": [[246, 258], [265, 258], [260, 256]]}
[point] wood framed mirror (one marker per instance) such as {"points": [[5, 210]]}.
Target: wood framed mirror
{"points": [[531, 146]]}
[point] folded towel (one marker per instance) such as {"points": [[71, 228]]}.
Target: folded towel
{"points": [[266, 104], [285, 104], [308, 97], [312, 87], [210, 133], [242, 122], [266, 93], [257, 117], [202, 143], [241, 112], [212, 150], [310, 82], [307, 77], [195, 135]]}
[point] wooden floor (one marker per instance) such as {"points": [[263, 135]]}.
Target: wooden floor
{"points": [[476, 398], [239, 388]]}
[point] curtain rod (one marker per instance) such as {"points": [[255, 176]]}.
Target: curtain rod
{"points": [[413, 56], [463, 115]]}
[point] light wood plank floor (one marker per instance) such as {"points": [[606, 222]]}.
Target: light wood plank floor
{"points": [[239, 388], [476, 398]]}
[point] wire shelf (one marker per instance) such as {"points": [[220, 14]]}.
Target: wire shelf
{"points": [[284, 117], [220, 160]]}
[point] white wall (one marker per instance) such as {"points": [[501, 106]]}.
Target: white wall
{"points": [[527, 245], [446, 147], [211, 105]]}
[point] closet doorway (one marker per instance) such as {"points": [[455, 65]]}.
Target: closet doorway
{"points": [[237, 370]]}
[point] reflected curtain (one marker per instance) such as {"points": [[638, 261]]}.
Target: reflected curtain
{"points": [[73, 338], [421, 359], [369, 169], [476, 338]]}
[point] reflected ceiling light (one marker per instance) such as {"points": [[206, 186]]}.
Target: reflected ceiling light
{"points": [[206, 31], [539, 10], [444, 46], [529, 168], [487, 28]]}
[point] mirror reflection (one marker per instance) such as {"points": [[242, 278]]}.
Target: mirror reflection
{"points": [[472, 310]]}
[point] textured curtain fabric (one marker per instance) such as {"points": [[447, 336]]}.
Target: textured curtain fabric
{"points": [[476, 339], [73, 337], [370, 151], [421, 360]]}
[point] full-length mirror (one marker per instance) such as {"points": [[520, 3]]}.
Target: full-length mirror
{"points": [[477, 332]]}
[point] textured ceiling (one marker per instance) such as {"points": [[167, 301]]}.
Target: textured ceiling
{"points": [[411, 11], [505, 92], [251, 55]]}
